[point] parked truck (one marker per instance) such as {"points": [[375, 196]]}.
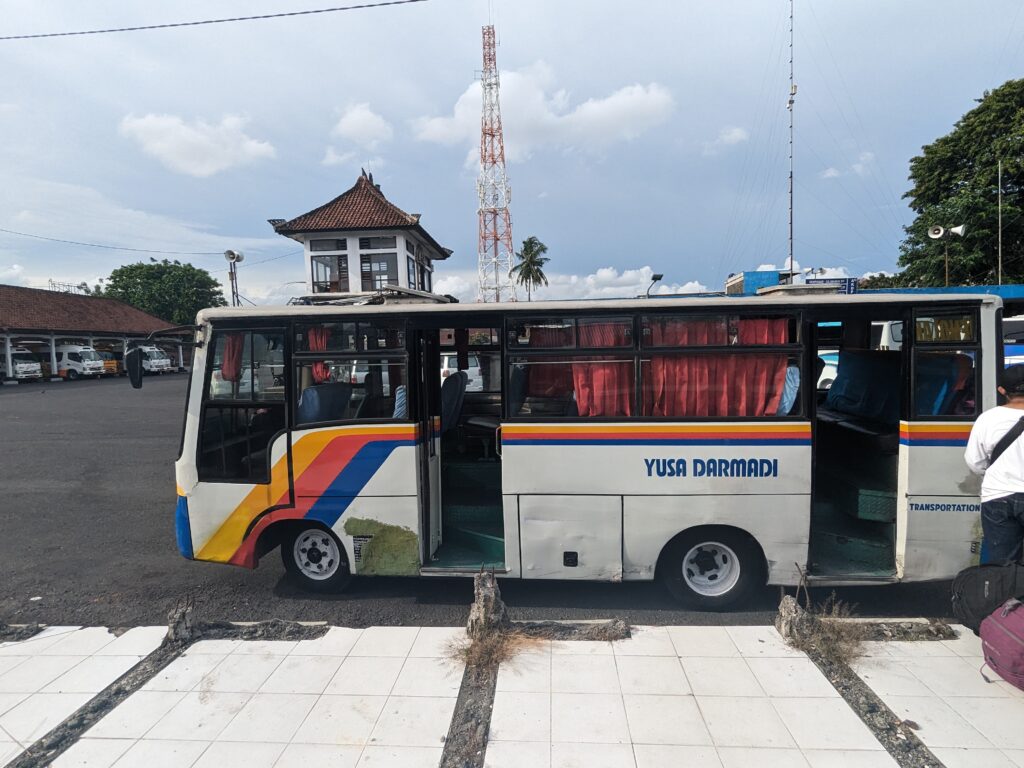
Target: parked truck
{"points": [[24, 366]]}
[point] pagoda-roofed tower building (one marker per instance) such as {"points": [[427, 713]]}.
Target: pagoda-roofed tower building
{"points": [[360, 242]]}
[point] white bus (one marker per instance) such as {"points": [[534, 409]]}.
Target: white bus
{"points": [[679, 440], [24, 366]]}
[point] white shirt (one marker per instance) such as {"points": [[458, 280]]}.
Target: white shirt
{"points": [[1006, 476]]}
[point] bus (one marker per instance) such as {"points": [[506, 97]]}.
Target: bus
{"points": [[681, 440]]}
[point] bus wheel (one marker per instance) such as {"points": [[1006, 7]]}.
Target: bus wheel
{"points": [[72, 374], [315, 558], [712, 568]]}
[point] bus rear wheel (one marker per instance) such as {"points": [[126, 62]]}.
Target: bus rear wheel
{"points": [[315, 559], [712, 568]]}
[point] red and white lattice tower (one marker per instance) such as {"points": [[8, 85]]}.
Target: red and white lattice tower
{"points": [[495, 246]]}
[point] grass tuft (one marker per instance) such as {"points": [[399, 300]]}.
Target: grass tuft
{"points": [[826, 632]]}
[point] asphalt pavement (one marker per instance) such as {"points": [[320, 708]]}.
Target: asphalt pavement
{"points": [[87, 537]]}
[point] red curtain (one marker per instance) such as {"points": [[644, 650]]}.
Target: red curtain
{"points": [[231, 361], [318, 337], [604, 388], [550, 377], [715, 384]]}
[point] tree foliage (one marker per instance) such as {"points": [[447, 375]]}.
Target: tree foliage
{"points": [[530, 269], [955, 182], [172, 291]]}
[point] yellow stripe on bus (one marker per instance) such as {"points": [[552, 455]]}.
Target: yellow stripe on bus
{"points": [[222, 546]]}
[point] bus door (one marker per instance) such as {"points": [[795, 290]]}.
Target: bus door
{"points": [[427, 414], [939, 527], [860, 399], [460, 409]]}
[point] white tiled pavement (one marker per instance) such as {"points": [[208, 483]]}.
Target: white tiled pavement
{"points": [[382, 696], [713, 696], [47, 677], [964, 719]]}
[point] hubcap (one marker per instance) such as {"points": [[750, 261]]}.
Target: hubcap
{"points": [[317, 554], [711, 569]]}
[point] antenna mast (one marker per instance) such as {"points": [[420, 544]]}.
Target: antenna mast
{"points": [[495, 246], [789, 106]]}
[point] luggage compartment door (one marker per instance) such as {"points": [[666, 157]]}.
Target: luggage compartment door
{"points": [[571, 537]]}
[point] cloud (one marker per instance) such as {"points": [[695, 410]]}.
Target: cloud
{"points": [[13, 274], [363, 127], [537, 115], [199, 148], [729, 136], [605, 283], [865, 163], [333, 157]]}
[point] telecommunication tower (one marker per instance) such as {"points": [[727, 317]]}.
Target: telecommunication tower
{"points": [[495, 247]]}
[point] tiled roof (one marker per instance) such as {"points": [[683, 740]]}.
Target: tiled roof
{"points": [[34, 309], [363, 207]]}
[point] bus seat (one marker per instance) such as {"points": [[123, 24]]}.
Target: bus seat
{"points": [[790, 390], [867, 386], [373, 389], [324, 402], [453, 392]]}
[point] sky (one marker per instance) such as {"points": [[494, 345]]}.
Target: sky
{"points": [[641, 137]]}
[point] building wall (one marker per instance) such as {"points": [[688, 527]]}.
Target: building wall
{"points": [[353, 253]]}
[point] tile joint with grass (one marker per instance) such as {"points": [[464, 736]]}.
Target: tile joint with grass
{"points": [[492, 638], [183, 630], [832, 643]]}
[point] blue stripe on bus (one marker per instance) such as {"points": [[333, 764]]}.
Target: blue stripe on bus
{"points": [[351, 480], [182, 528], [917, 441]]}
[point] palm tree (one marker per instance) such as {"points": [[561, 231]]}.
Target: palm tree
{"points": [[530, 269]]}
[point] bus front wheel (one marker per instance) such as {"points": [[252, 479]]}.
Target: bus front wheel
{"points": [[712, 568], [315, 558]]}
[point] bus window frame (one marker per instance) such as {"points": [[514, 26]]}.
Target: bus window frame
{"points": [[796, 350], [205, 400], [912, 345], [297, 357]]}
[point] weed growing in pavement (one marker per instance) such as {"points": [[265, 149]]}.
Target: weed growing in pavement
{"points": [[826, 631]]}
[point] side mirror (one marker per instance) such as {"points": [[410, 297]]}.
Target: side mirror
{"points": [[133, 365]]}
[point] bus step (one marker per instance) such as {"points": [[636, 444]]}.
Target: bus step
{"points": [[482, 539]]}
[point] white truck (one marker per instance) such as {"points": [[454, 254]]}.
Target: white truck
{"points": [[75, 361], [155, 360], [24, 366]]}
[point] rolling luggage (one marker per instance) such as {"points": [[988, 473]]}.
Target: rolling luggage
{"points": [[979, 590], [1002, 641]]}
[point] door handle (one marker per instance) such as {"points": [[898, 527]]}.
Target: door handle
{"points": [[497, 441]]}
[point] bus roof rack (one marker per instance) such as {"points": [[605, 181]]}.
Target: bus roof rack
{"points": [[389, 294]]}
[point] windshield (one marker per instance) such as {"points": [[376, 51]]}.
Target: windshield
{"points": [[89, 355], [157, 354], [22, 357]]}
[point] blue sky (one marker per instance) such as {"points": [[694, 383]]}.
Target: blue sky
{"points": [[642, 136]]}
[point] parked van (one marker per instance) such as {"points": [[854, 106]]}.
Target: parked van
{"points": [[74, 360], [155, 360], [24, 364]]}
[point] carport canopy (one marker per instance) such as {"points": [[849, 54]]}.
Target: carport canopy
{"points": [[35, 315]]}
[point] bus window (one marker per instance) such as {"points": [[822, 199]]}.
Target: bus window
{"points": [[571, 333], [945, 383], [351, 337], [573, 386], [346, 389], [244, 406], [945, 328]]}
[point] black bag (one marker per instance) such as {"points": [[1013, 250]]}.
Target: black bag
{"points": [[979, 590]]}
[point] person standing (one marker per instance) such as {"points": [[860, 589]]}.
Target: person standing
{"points": [[995, 450]]}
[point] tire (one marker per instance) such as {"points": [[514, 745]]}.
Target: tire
{"points": [[315, 559], [712, 568], [72, 374]]}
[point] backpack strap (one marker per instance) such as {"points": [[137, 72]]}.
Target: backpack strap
{"points": [[1007, 440]]}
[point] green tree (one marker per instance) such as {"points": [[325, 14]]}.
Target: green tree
{"points": [[530, 269], [955, 182], [172, 291]]}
